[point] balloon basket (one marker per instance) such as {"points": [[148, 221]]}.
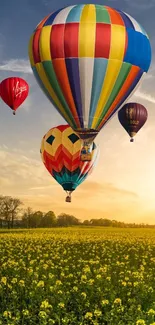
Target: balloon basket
{"points": [[131, 140], [86, 152], [68, 198], [14, 113], [86, 157]]}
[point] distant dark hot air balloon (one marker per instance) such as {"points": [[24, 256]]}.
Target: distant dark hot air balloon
{"points": [[14, 91], [132, 117]]}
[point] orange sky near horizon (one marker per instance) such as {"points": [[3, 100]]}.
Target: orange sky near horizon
{"points": [[121, 186]]}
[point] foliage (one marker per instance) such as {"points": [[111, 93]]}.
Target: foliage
{"points": [[78, 276], [12, 216], [9, 209]]}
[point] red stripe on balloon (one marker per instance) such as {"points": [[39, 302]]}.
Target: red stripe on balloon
{"points": [[35, 46], [57, 41], [71, 35], [102, 48]]}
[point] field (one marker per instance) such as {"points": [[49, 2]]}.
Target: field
{"points": [[77, 276]]}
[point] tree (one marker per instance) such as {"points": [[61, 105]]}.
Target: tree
{"points": [[101, 222], [86, 223], [36, 219], [26, 218], [64, 220], [49, 220], [9, 209]]}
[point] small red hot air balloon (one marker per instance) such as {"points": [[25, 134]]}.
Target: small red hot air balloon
{"points": [[132, 117], [14, 91]]}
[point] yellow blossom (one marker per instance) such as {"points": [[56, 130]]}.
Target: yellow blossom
{"points": [[40, 284], [4, 280], [117, 301], [75, 288], [140, 322], [7, 314], [151, 312], [83, 294], [97, 313], [105, 302], [61, 305], [88, 315], [25, 312], [22, 283], [45, 304]]}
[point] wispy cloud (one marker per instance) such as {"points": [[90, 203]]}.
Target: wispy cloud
{"points": [[145, 96], [40, 188], [141, 4], [16, 65], [105, 188], [19, 170]]}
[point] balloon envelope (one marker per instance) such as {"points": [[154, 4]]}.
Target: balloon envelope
{"points": [[88, 59], [14, 91], [132, 117], [60, 153]]}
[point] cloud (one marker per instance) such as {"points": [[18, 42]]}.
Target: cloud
{"points": [[145, 96], [16, 65], [21, 172], [28, 104], [140, 4], [107, 189], [40, 188]]}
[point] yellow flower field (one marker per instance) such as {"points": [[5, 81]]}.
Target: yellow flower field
{"points": [[77, 276]]}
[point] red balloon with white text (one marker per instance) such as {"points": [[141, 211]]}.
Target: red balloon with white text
{"points": [[14, 91]]}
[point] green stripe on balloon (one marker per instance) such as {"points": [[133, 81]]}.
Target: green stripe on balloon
{"points": [[102, 15], [124, 72]]}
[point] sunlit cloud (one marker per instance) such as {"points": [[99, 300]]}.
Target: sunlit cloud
{"points": [[16, 65], [105, 188], [145, 96]]}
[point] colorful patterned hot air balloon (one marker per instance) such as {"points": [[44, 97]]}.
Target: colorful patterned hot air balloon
{"points": [[88, 59], [60, 153], [132, 117], [14, 91]]}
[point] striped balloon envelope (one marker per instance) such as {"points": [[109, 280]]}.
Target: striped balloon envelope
{"points": [[60, 153], [88, 59]]}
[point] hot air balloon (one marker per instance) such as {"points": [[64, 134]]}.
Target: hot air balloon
{"points": [[88, 59], [14, 91], [132, 117], [60, 153]]}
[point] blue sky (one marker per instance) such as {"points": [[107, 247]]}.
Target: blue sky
{"points": [[116, 182]]}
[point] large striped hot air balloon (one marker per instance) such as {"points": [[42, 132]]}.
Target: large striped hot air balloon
{"points": [[60, 153], [88, 59]]}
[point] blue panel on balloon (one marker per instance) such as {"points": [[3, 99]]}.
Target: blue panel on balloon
{"points": [[138, 46], [51, 18]]}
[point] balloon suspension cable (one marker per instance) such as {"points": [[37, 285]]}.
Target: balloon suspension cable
{"points": [[68, 197], [131, 140], [14, 113]]}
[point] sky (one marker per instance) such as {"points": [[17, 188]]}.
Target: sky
{"points": [[122, 186]]}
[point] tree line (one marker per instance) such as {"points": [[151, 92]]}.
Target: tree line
{"points": [[13, 216]]}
